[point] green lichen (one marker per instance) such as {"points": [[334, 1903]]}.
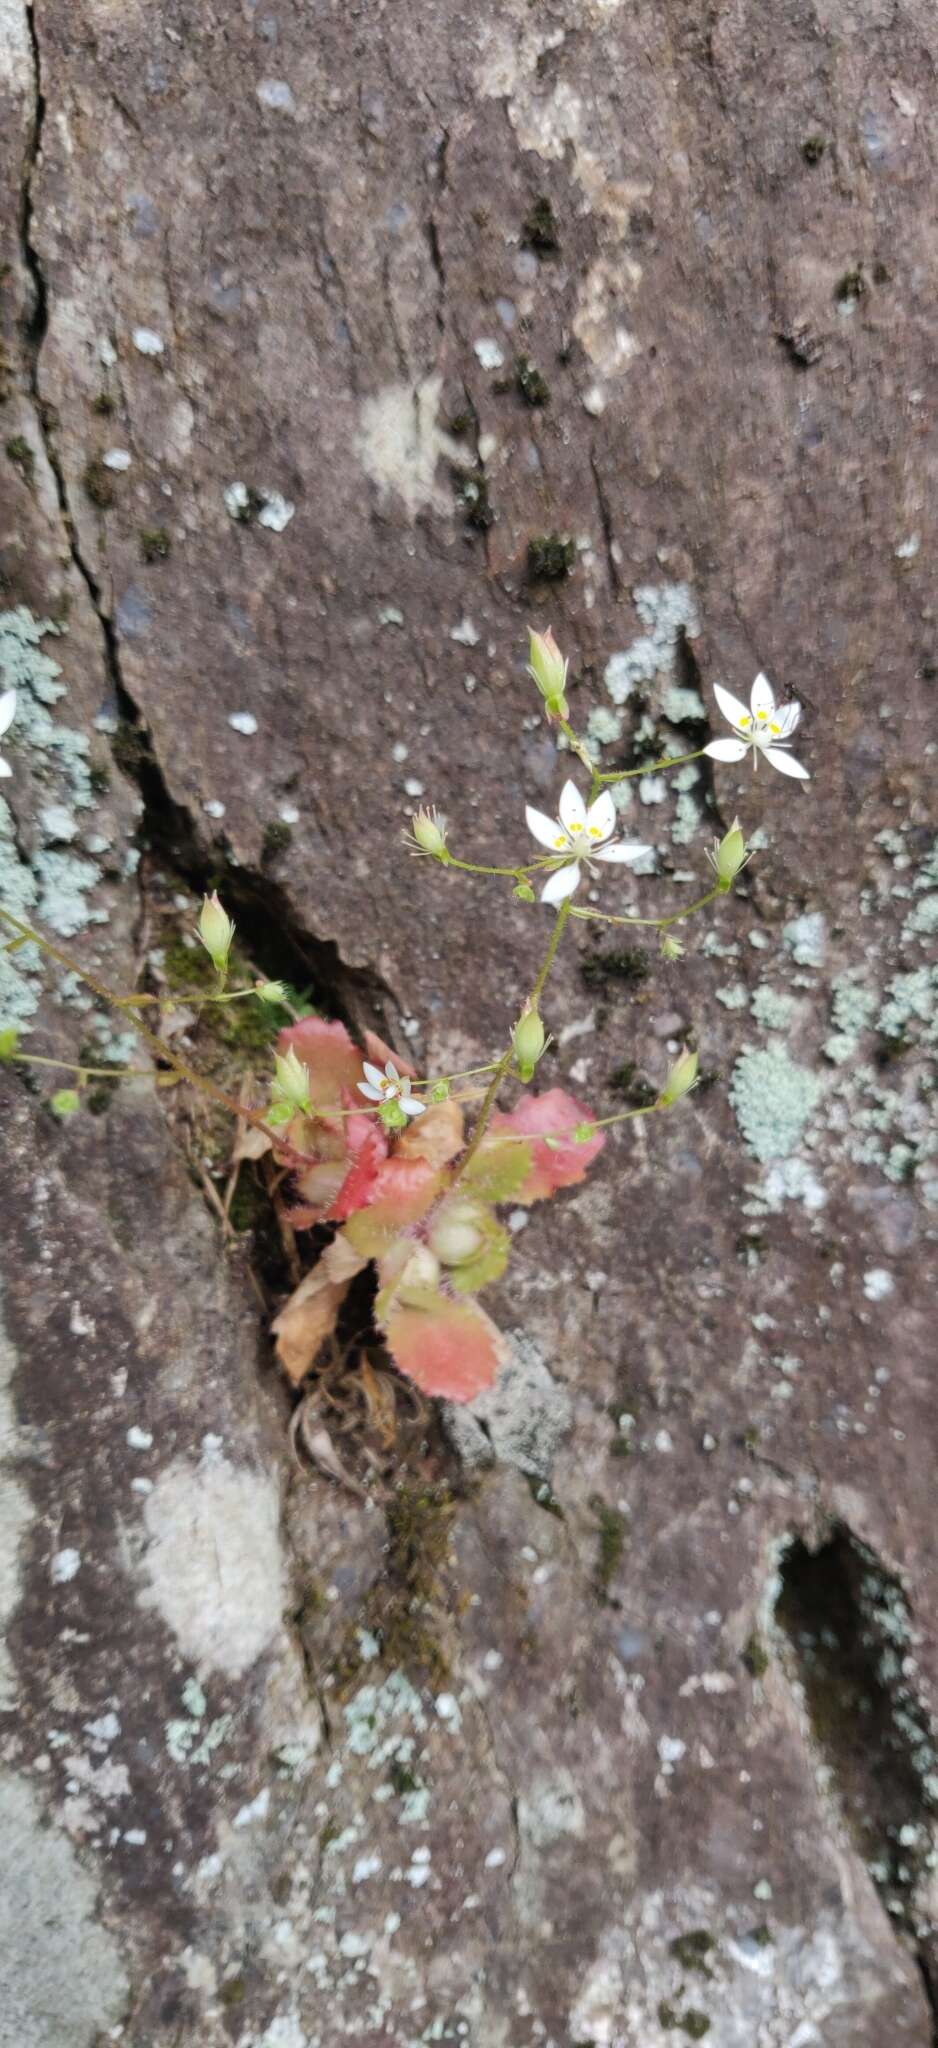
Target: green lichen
{"points": [[773, 1100], [772, 1008]]}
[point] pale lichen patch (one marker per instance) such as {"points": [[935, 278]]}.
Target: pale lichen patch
{"points": [[214, 1563]]}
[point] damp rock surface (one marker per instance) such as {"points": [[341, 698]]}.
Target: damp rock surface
{"points": [[566, 1760]]}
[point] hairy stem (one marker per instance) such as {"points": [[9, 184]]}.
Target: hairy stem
{"points": [[660, 923], [488, 1100]]}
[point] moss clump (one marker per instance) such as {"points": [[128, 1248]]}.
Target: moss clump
{"points": [[630, 1083], [233, 1991], [6, 375], [756, 1657], [761, 1935], [103, 405], [21, 456], [98, 483], [611, 1548], [694, 2023], [812, 149], [851, 286], [249, 1204], [277, 838], [550, 558], [99, 776], [543, 1495], [155, 543], [402, 1780], [627, 963], [539, 230], [691, 1950], [403, 1609], [472, 497], [531, 385]]}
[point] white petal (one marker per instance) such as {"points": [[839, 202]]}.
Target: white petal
{"points": [[7, 709], [374, 1075], [561, 883], [5, 768], [373, 1094], [763, 697], [788, 716], [545, 829], [572, 808], [601, 817], [391, 1071], [786, 763], [731, 707], [411, 1106], [621, 849], [727, 750]]}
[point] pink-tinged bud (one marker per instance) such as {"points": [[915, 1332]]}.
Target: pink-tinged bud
{"points": [[549, 671]]}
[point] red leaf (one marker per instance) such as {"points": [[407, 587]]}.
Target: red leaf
{"points": [[451, 1349], [358, 1187], [540, 1116]]}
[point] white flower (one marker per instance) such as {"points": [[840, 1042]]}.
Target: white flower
{"points": [[7, 715], [766, 728], [581, 836], [390, 1087]]}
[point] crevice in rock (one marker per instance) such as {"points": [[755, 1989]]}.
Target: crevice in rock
{"points": [[605, 519], [853, 1641], [275, 937]]}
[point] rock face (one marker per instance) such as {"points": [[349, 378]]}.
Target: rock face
{"points": [[326, 333]]}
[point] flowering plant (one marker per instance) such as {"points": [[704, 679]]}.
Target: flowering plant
{"points": [[383, 1165]]}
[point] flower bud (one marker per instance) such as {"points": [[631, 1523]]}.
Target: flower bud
{"points": [[440, 1091], [422, 1269], [682, 1075], [584, 1134], [459, 1233], [528, 1041], [393, 1117], [524, 892], [729, 855], [216, 932], [270, 991], [428, 829], [9, 1041], [671, 949], [291, 1080], [64, 1102], [549, 670]]}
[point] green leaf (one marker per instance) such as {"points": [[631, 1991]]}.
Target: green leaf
{"points": [[499, 1168], [64, 1102], [481, 1271]]}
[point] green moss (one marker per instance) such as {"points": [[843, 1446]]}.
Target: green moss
{"points": [[103, 405], [98, 483], [612, 1532], [402, 1780], [155, 543], [328, 1833], [472, 496], [627, 963], [277, 838], [628, 1082], [232, 1992], [22, 457], [761, 1935], [249, 1203], [539, 229], [691, 1950], [812, 149], [756, 1657], [404, 1609], [694, 2023], [531, 385], [543, 1495], [851, 286], [550, 558]]}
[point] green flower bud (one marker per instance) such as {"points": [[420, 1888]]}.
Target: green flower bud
{"points": [[524, 892], [428, 832], [728, 856], [528, 1042], [291, 1080], [216, 931], [440, 1091], [9, 1042], [583, 1133], [270, 991], [682, 1075], [64, 1102], [671, 949], [549, 670], [392, 1116]]}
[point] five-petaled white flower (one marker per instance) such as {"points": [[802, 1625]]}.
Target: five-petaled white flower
{"points": [[580, 836], [390, 1087], [7, 714], [766, 728]]}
